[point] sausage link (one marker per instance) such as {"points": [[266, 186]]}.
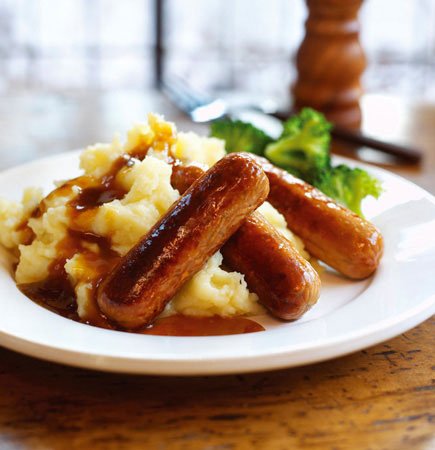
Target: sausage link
{"points": [[210, 211], [183, 177], [284, 281], [331, 232]]}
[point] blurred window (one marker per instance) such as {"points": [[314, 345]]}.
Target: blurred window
{"points": [[242, 44]]}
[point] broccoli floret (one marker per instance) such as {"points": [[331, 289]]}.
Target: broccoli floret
{"points": [[349, 186], [240, 136], [303, 148]]}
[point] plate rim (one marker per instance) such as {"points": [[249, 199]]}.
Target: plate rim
{"points": [[262, 362], [270, 360]]}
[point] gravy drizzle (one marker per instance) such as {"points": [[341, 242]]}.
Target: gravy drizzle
{"points": [[179, 325], [56, 292]]}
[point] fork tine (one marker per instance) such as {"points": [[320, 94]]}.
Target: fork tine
{"points": [[200, 107], [193, 97], [179, 98]]}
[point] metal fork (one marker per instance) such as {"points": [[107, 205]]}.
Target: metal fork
{"points": [[203, 108], [197, 105]]}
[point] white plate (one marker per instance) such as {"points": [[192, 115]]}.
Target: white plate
{"points": [[348, 317]]}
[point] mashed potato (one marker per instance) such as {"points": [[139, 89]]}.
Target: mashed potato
{"points": [[148, 195]]}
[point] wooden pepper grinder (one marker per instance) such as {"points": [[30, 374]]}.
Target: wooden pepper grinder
{"points": [[330, 61]]}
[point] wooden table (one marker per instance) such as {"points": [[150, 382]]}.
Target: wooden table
{"points": [[379, 398]]}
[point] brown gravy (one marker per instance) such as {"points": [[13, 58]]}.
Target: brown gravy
{"points": [[56, 292], [180, 325]]}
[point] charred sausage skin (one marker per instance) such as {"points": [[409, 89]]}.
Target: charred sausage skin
{"points": [[137, 290], [331, 232], [284, 281]]}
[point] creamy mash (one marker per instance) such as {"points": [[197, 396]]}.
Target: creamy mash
{"points": [[38, 230]]}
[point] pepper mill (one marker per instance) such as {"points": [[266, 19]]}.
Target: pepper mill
{"points": [[330, 62]]}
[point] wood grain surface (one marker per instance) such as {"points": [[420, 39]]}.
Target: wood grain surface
{"points": [[379, 398]]}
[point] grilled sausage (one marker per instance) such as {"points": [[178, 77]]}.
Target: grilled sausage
{"points": [[196, 226], [183, 177], [331, 232], [284, 281]]}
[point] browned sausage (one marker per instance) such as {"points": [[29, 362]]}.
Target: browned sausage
{"points": [[284, 281], [331, 232], [209, 212], [183, 177]]}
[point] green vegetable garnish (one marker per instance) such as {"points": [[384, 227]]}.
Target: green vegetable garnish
{"points": [[240, 136], [303, 150], [349, 186]]}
